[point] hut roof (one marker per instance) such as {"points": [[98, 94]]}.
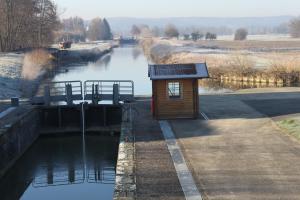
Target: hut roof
{"points": [[178, 71]]}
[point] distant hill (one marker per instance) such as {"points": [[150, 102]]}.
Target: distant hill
{"points": [[123, 24]]}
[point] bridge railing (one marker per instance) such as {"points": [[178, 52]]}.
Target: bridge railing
{"points": [[94, 90], [109, 90], [60, 91]]}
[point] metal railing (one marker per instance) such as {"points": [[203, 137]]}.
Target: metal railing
{"points": [[94, 90], [61, 91], [104, 90]]}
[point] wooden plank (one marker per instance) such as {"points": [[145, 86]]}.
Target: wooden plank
{"points": [[174, 108]]}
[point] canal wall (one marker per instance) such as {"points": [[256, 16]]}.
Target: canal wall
{"points": [[16, 136], [125, 185], [19, 130]]}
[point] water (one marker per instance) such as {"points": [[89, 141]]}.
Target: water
{"points": [[129, 63], [124, 63], [54, 168]]}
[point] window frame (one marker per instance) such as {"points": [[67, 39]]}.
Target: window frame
{"points": [[179, 87]]}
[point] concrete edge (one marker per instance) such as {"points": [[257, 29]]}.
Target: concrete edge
{"points": [[125, 184], [18, 124]]}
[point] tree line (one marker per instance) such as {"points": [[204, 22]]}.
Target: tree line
{"points": [[35, 23], [27, 23], [75, 29], [171, 31]]}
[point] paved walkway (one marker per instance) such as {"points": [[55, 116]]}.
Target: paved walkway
{"points": [[155, 171], [240, 153]]}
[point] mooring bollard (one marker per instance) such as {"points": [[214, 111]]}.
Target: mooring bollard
{"points": [[116, 94], [47, 95], [69, 94], [14, 101]]}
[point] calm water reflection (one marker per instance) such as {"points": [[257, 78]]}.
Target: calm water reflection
{"points": [[129, 63], [56, 168], [124, 63]]}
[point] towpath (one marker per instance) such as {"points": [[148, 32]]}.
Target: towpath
{"points": [[240, 153]]}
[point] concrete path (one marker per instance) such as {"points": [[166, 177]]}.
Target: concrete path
{"points": [[240, 153], [155, 171], [184, 175]]}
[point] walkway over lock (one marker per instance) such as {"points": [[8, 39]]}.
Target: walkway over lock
{"points": [[96, 105], [93, 90]]}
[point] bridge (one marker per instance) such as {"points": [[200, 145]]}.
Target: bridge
{"points": [[92, 106]]}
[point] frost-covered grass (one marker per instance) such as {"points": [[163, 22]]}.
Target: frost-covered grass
{"points": [[99, 46], [291, 126], [269, 37], [19, 73], [10, 74]]}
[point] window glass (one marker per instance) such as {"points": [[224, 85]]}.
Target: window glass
{"points": [[174, 90]]}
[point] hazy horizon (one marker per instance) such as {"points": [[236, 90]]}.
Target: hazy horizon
{"points": [[177, 8]]}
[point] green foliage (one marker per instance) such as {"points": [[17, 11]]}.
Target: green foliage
{"points": [[105, 30], [99, 30]]}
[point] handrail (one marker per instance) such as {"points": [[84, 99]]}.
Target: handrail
{"points": [[103, 89], [94, 90]]}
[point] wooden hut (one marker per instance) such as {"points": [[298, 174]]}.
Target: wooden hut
{"points": [[175, 90]]}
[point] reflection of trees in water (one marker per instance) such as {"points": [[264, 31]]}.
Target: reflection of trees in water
{"points": [[68, 167], [236, 85], [136, 52], [104, 61], [56, 161]]}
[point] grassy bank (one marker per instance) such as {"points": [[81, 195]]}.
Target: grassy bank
{"points": [[21, 73], [259, 61], [291, 126]]}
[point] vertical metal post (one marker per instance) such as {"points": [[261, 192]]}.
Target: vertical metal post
{"points": [[47, 97], [116, 94], [14, 101], [95, 94], [69, 94]]}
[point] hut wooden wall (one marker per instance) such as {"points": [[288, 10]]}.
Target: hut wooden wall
{"points": [[185, 107]]}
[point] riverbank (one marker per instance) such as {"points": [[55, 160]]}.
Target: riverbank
{"points": [[254, 61], [12, 80], [84, 52]]}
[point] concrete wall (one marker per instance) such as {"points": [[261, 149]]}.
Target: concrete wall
{"points": [[16, 137]]}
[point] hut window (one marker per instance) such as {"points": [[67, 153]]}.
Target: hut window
{"points": [[174, 90]]}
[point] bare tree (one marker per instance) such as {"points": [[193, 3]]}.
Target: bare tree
{"points": [[99, 30], [241, 34], [135, 30], [171, 31], [295, 27], [197, 36], [94, 29], [26, 23], [210, 36], [72, 29], [156, 31], [186, 36]]}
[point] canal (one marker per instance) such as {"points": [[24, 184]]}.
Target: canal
{"points": [[123, 63], [129, 63], [68, 166], [61, 168]]}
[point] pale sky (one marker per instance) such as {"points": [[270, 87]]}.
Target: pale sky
{"points": [[177, 8]]}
